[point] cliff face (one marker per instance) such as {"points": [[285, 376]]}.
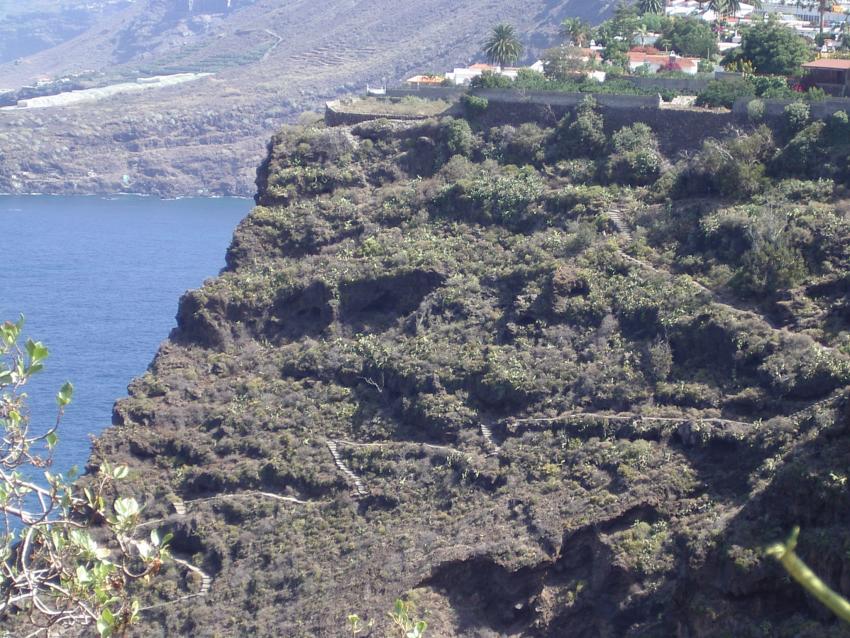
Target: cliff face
{"points": [[501, 393]]}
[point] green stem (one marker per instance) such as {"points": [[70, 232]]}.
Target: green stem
{"points": [[800, 572]]}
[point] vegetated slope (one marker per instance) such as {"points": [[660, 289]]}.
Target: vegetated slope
{"points": [[539, 401], [272, 60]]}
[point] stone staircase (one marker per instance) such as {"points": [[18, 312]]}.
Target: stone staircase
{"points": [[616, 217], [359, 487], [487, 433]]}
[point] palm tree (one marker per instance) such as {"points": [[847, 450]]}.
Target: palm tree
{"points": [[732, 6], [651, 6], [720, 7], [576, 30], [821, 11], [642, 34], [503, 47]]}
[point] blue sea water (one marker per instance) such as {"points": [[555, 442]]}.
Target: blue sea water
{"points": [[98, 281]]}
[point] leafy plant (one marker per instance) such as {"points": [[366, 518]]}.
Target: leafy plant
{"points": [[54, 567], [408, 627]]}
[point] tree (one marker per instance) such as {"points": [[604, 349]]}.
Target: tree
{"points": [[503, 47], [576, 30], [689, 36], [651, 6], [720, 7], [582, 135], [70, 552], [772, 48]]}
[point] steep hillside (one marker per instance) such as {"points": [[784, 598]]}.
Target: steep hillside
{"points": [[271, 61], [541, 401]]}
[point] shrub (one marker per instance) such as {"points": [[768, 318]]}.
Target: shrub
{"points": [[724, 93], [770, 86], [705, 66], [772, 48], [473, 105], [581, 135], [755, 110], [772, 263], [458, 137], [503, 198], [491, 80], [805, 154], [732, 168], [520, 146], [689, 36], [636, 159], [795, 117], [530, 80], [838, 128]]}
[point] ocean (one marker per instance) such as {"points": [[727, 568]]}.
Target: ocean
{"points": [[98, 281]]}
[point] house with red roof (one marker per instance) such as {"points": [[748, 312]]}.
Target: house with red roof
{"points": [[662, 62], [833, 76]]}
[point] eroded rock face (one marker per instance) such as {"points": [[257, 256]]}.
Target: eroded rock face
{"points": [[431, 388]]}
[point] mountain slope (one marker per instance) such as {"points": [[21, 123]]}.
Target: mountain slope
{"points": [[271, 60], [427, 373]]}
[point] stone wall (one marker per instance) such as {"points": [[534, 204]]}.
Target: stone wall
{"points": [[677, 129], [337, 115], [691, 85], [556, 98], [773, 108]]}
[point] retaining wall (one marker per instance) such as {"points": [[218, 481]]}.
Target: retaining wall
{"points": [[336, 115], [691, 85], [773, 108], [676, 129], [555, 98], [429, 92]]}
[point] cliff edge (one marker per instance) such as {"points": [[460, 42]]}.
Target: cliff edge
{"points": [[533, 401]]}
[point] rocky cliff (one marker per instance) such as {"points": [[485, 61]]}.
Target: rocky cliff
{"points": [[531, 401]]}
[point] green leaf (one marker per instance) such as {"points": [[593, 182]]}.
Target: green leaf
{"points": [[126, 507], [51, 439], [106, 623], [82, 575], [64, 395], [120, 472]]}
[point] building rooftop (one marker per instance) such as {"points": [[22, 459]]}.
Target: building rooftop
{"points": [[824, 63]]}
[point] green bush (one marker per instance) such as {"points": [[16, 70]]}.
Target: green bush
{"points": [[581, 135], [805, 154], [491, 80], [635, 159], [724, 93], [772, 263], [689, 36], [530, 80], [771, 48], [473, 106], [503, 198], [458, 137], [733, 168], [755, 111], [519, 146], [770, 86], [838, 128], [795, 117]]}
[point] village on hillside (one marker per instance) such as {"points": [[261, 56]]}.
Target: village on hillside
{"points": [[803, 47]]}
